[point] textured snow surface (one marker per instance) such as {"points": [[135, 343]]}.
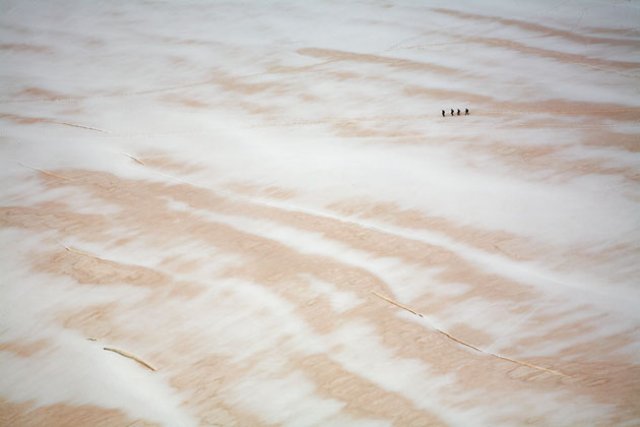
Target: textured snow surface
{"points": [[262, 200]]}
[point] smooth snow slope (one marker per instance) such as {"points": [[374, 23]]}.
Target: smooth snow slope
{"points": [[262, 201]]}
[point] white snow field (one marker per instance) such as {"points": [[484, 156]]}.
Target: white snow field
{"points": [[245, 213]]}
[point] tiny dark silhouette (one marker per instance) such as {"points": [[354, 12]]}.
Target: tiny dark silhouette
{"points": [[452, 111], [458, 111], [443, 114], [466, 111]]}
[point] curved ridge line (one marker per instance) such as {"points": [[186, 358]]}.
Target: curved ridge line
{"points": [[471, 346]]}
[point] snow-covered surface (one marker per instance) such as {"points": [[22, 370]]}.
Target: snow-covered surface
{"points": [[262, 200]]}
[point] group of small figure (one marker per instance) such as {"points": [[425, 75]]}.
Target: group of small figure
{"points": [[466, 112]]}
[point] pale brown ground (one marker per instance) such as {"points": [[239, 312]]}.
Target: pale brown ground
{"points": [[281, 269], [588, 369]]}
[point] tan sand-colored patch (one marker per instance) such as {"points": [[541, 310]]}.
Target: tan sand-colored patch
{"points": [[355, 129], [53, 216], [545, 159], [88, 269], [24, 120], [185, 101], [467, 333], [454, 97], [282, 269], [627, 32], [375, 242], [24, 348], [398, 63], [362, 397], [270, 192], [29, 415], [94, 322], [163, 161], [543, 30], [612, 138], [343, 75], [566, 57], [40, 93], [25, 47], [516, 247], [243, 86], [205, 381]]}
